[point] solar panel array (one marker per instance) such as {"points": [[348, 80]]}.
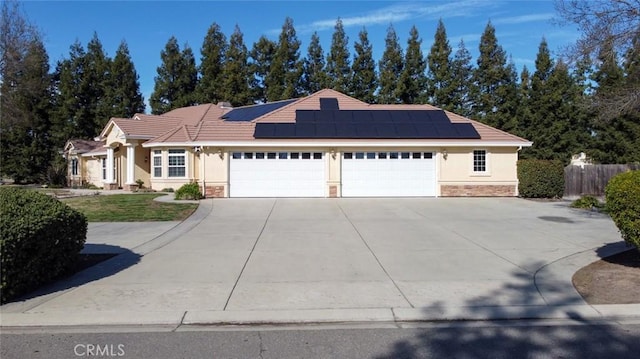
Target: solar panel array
{"points": [[368, 124], [250, 113]]}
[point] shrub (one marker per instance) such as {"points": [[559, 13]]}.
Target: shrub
{"points": [[140, 183], [169, 190], [540, 178], [587, 202], [189, 191], [623, 204], [40, 238]]}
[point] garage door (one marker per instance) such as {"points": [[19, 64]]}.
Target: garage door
{"points": [[388, 174], [277, 174]]}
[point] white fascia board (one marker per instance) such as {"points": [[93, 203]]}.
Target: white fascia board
{"points": [[91, 154], [355, 144]]}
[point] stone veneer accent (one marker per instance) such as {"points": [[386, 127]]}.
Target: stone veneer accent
{"points": [[478, 190], [110, 186], [214, 192], [333, 191], [130, 187]]}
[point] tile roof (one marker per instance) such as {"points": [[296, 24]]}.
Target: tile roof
{"points": [[206, 123], [82, 146]]}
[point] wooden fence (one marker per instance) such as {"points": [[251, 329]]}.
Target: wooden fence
{"points": [[590, 180]]}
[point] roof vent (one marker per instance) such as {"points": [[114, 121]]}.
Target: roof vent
{"points": [[223, 104], [329, 104]]}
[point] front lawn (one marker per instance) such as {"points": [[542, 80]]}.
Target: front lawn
{"points": [[129, 208]]}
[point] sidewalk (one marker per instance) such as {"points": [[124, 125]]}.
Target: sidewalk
{"points": [[168, 280]]}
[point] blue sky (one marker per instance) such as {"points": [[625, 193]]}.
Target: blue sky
{"points": [[147, 25]]}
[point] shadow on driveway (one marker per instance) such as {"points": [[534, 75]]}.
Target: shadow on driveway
{"points": [[502, 341], [123, 259]]}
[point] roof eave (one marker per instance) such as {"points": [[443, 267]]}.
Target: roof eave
{"points": [[342, 143]]}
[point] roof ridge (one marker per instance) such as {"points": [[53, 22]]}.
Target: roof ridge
{"points": [[186, 132], [475, 122], [198, 128]]}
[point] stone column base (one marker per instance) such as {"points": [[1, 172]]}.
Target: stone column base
{"points": [[110, 186], [214, 192], [130, 187]]}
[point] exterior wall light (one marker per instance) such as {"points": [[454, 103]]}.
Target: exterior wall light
{"points": [[220, 153], [445, 154], [333, 153]]}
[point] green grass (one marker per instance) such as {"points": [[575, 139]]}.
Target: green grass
{"points": [[129, 208]]}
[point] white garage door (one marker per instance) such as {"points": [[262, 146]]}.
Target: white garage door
{"points": [[277, 174], [388, 174]]}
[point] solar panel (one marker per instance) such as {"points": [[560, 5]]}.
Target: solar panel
{"points": [[466, 130], [388, 124], [250, 113], [329, 104]]}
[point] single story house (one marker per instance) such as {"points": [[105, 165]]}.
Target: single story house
{"points": [[324, 145]]}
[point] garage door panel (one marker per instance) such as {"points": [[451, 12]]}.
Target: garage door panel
{"points": [[394, 174], [284, 175]]}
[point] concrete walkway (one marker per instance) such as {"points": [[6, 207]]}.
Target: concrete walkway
{"points": [[246, 261]]}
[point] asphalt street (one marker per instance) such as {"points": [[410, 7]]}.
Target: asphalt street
{"points": [[510, 339]]}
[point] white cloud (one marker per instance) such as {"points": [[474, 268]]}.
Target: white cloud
{"points": [[523, 19], [397, 13]]}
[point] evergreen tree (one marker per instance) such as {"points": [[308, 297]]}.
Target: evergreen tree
{"points": [[440, 76], [365, 80], [338, 66], [462, 82], [617, 138], [315, 78], [413, 81], [261, 54], [556, 124], [523, 113], [284, 78], [176, 81], [125, 91], [75, 105], [210, 87], [235, 72], [494, 81], [98, 75], [25, 93], [391, 66]]}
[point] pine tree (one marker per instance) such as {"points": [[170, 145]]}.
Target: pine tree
{"points": [[176, 81], [314, 77], [261, 54], [617, 138], [235, 72], [98, 75], [523, 114], [391, 66], [494, 80], [557, 126], [365, 80], [413, 81], [75, 104], [338, 66], [462, 82], [440, 75], [125, 91], [213, 50], [25, 93], [284, 78]]}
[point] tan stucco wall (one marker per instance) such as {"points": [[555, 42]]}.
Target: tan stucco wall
{"points": [[143, 164], [457, 169], [92, 170], [163, 182]]}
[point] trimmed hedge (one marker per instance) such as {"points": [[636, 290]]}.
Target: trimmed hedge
{"points": [[40, 238], [540, 178], [623, 205], [189, 191]]}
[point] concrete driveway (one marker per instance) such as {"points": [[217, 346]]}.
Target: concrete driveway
{"points": [[266, 260]]}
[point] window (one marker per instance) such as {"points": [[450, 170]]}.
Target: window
{"points": [[317, 155], [283, 155], [295, 155], [382, 155], [306, 155], [479, 161], [428, 155], [347, 155], [177, 163], [74, 166], [260, 155], [248, 155], [104, 169], [157, 163], [405, 155], [236, 155], [371, 155], [359, 155], [416, 155], [271, 155]]}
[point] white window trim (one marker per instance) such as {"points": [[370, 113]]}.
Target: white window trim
{"points": [[75, 167], [153, 166], [103, 166], [487, 157], [186, 163]]}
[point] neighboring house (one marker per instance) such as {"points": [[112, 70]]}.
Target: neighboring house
{"points": [[85, 160], [323, 145]]}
